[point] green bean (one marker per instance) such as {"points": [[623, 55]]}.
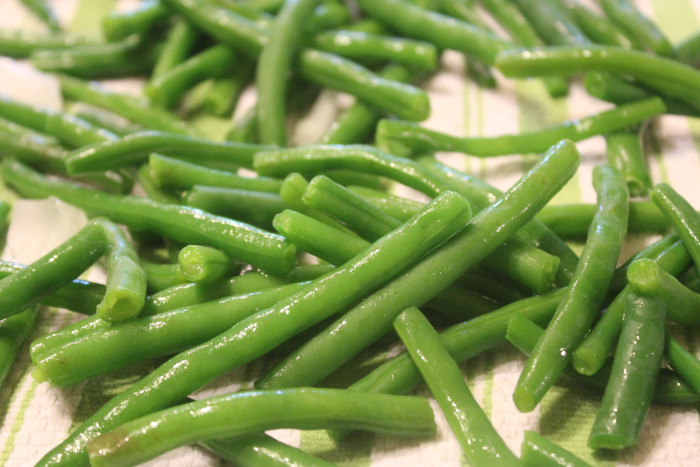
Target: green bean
{"points": [[537, 451], [152, 189], [683, 362], [372, 318], [168, 87], [245, 129], [349, 177], [441, 30], [181, 223], [648, 279], [200, 263], [35, 150], [625, 153], [650, 251], [684, 218], [319, 67], [44, 12], [599, 28], [688, 51], [254, 411], [632, 382], [181, 175], [221, 99], [637, 26], [135, 148], [131, 108], [480, 442], [395, 206], [464, 10], [176, 48], [573, 220], [160, 276], [105, 349], [584, 296], [267, 329], [590, 356], [551, 23], [21, 43], [118, 25], [13, 332], [317, 238], [665, 76], [670, 389], [256, 450], [255, 207], [421, 140], [67, 128], [283, 44], [131, 56], [361, 45], [103, 119], [327, 15]]}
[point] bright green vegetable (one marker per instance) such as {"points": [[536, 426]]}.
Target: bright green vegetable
{"points": [[688, 51], [626, 154], [251, 412], [21, 43], [585, 295], [537, 451], [421, 140], [104, 119], [200, 263], [44, 12], [637, 26], [256, 450], [550, 21], [633, 376], [178, 44], [684, 218], [254, 207], [13, 332], [599, 28], [683, 362], [477, 437], [162, 276], [181, 223], [118, 25]]}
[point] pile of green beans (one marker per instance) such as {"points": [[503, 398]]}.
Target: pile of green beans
{"points": [[243, 246]]}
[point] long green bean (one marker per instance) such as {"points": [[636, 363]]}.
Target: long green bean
{"points": [[599, 28], [637, 26], [254, 207], [177, 46], [21, 43], [552, 24]]}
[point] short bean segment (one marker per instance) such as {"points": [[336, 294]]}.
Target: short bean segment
{"points": [[637, 26], [421, 140], [635, 370], [251, 412], [480, 442], [586, 294], [126, 281], [590, 356], [135, 148], [682, 215], [648, 279], [538, 451], [265, 330], [188, 225], [372, 318], [200, 263]]}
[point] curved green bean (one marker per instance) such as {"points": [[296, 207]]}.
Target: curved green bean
{"points": [[537, 451], [254, 207], [481, 444], [241, 241], [637, 26], [421, 140], [684, 218], [585, 295], [632, 382], [135, 148], [372, 318], [251, 412]]}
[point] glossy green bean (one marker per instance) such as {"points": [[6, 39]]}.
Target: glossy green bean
{"points": [[670, 389], [537, 451], [637, 26], [129, 107], [35, 150], [319, 67], [590, 356], [684, 218], [251, 412], [372, 318], [284, 41], [105, 349], [665, 76], [172, 173], [104, 119], [21, 43], [265, 330], [480, 442], [585, 295], [162, 276], [257, 450], [132, 56], [632, 382], [647, 279], [168, 87], [135, 148], [362, 45], [118, 25], [626, 154], [551, 23], [441, 30], [44, 12], [152, 189], [599, 28], [573, 220], [14, 330], [393, 205], [181, 223], [200, 263], [688, 51], [652, 251], [420, 140], [178, 44], [683, 362], [255, 207]]}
